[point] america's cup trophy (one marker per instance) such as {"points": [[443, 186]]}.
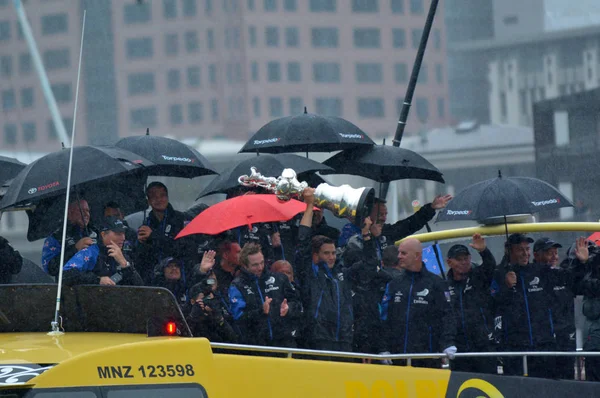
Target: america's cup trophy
{"points": [[354, 204]]}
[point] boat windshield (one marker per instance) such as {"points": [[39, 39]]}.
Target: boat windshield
{"points": [[30, 308]]}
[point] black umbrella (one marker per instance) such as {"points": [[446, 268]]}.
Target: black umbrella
{"points": [[501, 197], [47, 176], [306, 132], [383, 163], [267, 165], [171, 157], [127, 191], [9, 168]]}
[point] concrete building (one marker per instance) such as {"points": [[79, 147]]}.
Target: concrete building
{"points": [[534, 50], [567, 131], [207, 68]]}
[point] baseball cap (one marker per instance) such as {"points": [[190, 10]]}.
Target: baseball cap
{"points": [[515, 239], [458, 250], [112, 224], [545, 243]]}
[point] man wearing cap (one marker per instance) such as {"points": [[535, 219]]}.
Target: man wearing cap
{"points": [[469, 291], [545, 251], [103, 262], [168, 273], [524, 293]]}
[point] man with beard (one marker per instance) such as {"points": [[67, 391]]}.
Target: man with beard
{"points": [[104, 262], [261, 302]]}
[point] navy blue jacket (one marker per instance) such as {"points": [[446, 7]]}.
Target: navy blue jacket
{"points": [[472, 303], [526, 309], [416, 314], [161, 243], [326, 295], [247, 295]]}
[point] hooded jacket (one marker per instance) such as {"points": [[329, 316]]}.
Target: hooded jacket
{"points": [[178, 287]]}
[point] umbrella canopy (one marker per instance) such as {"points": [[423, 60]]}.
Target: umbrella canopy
{"points": [[127, 191], [383, 163], [47, 176], [307, 133], [595, 237], [267, 165], [9, 168], [500, 197], [242, 210], [171, 157]]}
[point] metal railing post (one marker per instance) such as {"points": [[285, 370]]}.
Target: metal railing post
{"points": [[409, 362], [525, 370]]}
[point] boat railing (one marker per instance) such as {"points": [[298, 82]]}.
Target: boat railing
{"points": [[290, 352]]}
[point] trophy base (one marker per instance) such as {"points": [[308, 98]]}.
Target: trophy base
{"points": [[365, 205], [346, 202]]}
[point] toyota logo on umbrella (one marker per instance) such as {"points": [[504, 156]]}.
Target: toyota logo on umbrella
{"points": [[32, 191]]}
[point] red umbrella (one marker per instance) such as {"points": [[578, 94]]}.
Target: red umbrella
{"points": [[595, 237], [242, 210]]}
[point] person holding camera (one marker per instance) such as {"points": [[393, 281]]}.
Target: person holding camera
{"points": [[104, 262], [209, 316]]}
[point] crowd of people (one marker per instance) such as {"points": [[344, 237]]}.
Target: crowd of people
{"points": [[302, 283]]}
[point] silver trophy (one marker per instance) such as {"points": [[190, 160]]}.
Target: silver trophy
{"points": [[354, 204]]}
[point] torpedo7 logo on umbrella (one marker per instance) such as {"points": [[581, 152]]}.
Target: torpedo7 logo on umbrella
{"points": [[459, 212], [177, 159], [268, 141], [359, 136], [546, 202], [54, 184]]}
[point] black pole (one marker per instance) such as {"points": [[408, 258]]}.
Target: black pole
{"points": [[414, 76]]}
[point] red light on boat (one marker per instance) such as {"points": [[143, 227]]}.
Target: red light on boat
{"points": [[171, 328]]}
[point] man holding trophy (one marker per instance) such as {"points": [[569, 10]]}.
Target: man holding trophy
{"points": [[324, 285]]}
